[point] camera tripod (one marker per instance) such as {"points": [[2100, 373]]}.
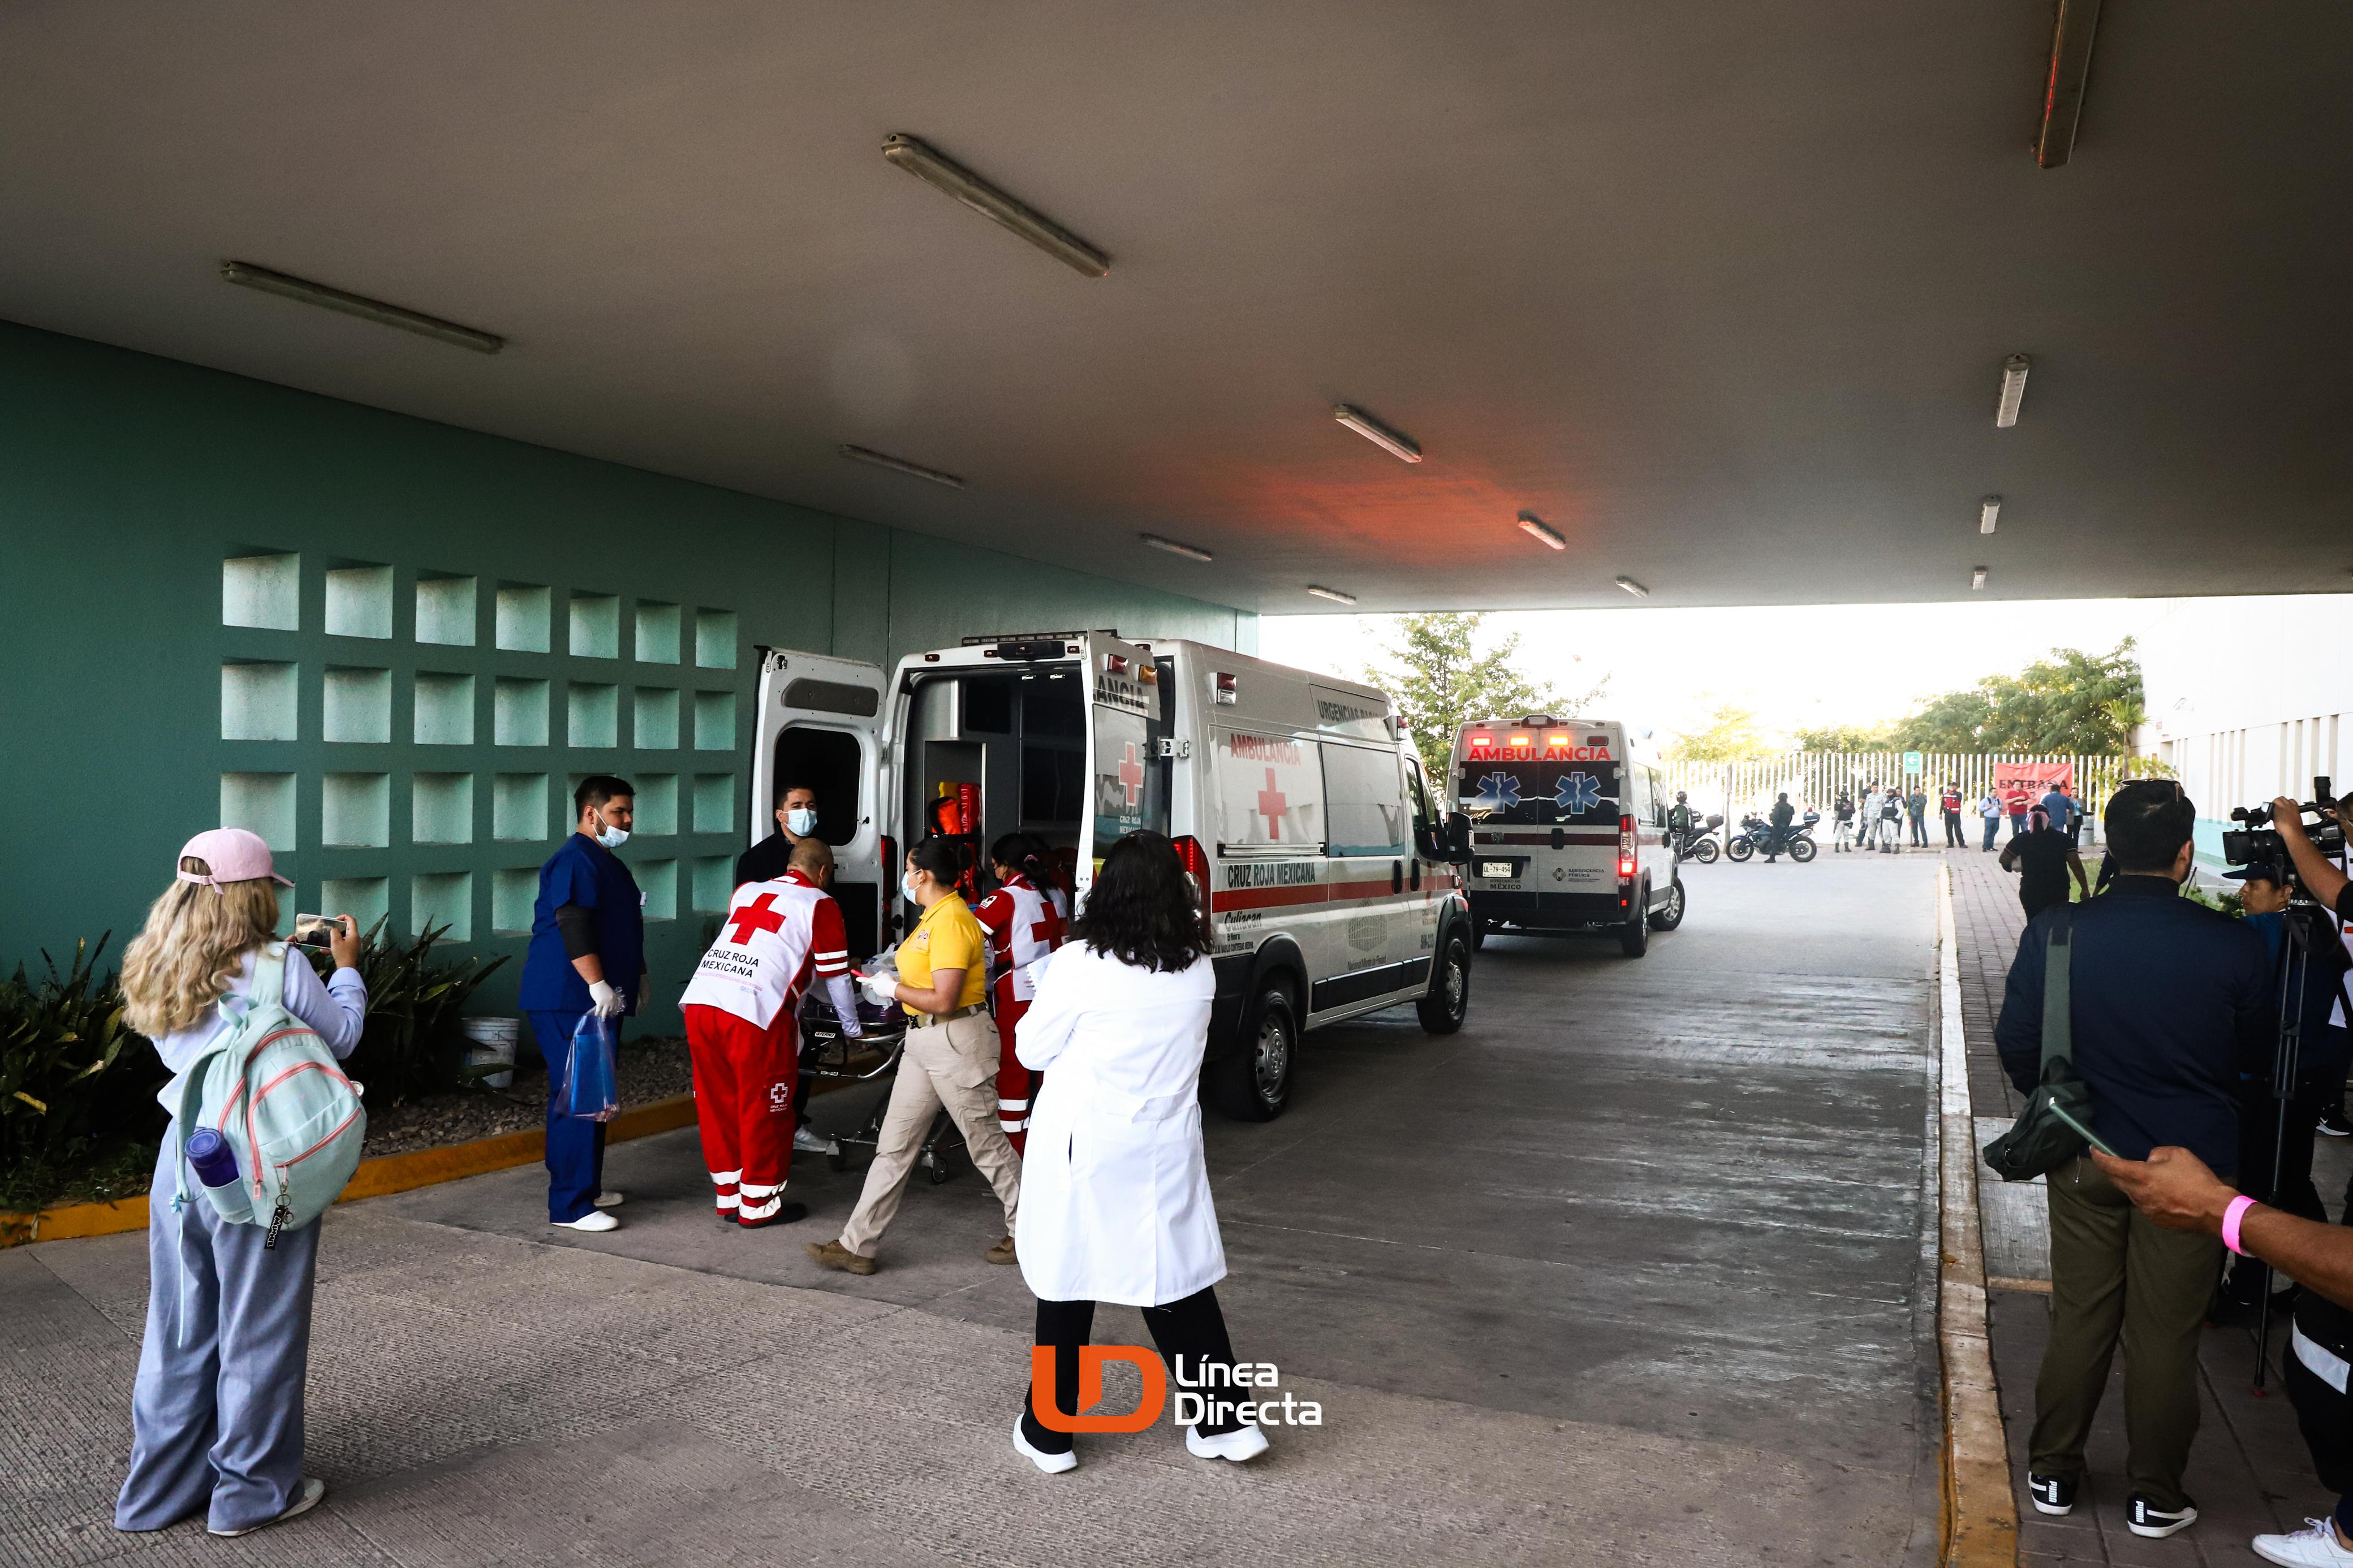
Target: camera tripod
{"points": [[2287, 1052]]}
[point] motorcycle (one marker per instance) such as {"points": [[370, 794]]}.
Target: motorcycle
{"points": [[1758, 835], [1696, 842]]}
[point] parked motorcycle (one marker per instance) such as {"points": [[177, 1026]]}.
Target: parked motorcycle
{"points": [[1757, 836], [1698, 843]]}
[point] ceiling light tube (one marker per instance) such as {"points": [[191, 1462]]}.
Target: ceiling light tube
{"points": [[1399, 447], [1189, 552], [246, 274], [1535, 527], [1988, 513], [1977, 579], [900, 465], [930, 166], [1334, 595], [2013, 391], [1633, 587], [2063, 86]]}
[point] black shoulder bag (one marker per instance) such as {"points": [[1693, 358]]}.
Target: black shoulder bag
{"points": [[2043, 1139]]}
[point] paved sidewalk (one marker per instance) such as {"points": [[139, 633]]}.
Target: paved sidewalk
{"points": [[2249, 1472]]}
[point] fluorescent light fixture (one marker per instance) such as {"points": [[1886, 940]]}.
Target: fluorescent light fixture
{"points": [[1334, 595], [900, 466], [2063, 86], [1396, 445], [933, 167], [1535, 527], [2013, 391], [1633, 587], [1189, 552], [1988, 513], [246, 274], [1977, 579]]}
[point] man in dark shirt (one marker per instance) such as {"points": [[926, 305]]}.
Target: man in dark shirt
{"points": [[2047, 856], [2170, 999], [770, 858], [1916, 805]]}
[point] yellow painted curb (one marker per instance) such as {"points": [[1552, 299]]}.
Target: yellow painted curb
{"points": [[374, 1179]]}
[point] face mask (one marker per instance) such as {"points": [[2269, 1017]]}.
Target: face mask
{"points": [[612, 838], [800, 822], [907, 886]]}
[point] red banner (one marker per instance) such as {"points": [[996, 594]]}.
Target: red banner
{"points": [[2037, 779]]}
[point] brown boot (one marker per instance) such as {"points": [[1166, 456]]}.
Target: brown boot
{"points": [[833, 1254], [1002, 1252]]}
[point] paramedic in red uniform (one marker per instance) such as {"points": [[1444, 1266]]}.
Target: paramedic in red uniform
{"points": [[743, 1027], [1023, 927]]}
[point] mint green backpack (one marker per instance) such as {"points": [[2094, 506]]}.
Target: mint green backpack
{"points": [[274, 1091]]}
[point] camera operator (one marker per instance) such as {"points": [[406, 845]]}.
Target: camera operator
{"points": [[2168, 999], [2326, 883]]}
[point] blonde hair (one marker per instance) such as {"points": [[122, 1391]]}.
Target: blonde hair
{"points": [[193, 947]]}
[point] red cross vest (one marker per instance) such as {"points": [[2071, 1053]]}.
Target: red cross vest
{"points": [[775, 937], [1023, 928]]}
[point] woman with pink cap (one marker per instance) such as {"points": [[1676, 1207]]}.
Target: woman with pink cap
{"points": [[217, 1413]]}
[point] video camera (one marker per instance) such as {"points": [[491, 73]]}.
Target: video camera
{"points": [[2258, 842]]}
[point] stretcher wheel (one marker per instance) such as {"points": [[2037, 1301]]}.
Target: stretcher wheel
{"points": [[939, 1170]]}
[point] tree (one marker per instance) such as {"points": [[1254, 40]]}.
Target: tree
{"points": [[1847, 738], [1442, 680], [1729, 736], [2070, 702]]}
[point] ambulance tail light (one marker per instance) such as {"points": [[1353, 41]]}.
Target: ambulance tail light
{"points": [[1226, 688], [1116, 663], [1627, 841], [1196, 861]]}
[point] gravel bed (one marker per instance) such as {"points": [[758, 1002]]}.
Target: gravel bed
{"points": [[651, 1070]]}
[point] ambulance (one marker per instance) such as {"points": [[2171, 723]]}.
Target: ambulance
{"points": [[1329, 880], [1568, 820]]}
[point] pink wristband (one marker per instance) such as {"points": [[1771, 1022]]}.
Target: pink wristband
{"points": [[2230, 1218]]}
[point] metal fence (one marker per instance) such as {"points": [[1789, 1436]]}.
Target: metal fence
{"points": [[1814, 778]]}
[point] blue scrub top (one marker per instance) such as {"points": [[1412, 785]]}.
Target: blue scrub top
{"points": [[585, 872]]}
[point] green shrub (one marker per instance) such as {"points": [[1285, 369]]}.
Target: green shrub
{"points": [[410, 1045], [77, 1088]]}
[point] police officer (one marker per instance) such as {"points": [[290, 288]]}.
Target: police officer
{"points": [[1680, 822], [587, 955]]}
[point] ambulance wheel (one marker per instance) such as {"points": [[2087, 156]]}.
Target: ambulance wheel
{"points": [[1705, 851], [1802, 850], [1741, 849], [1634, 936], [1668, 915], [1253, 1084], [1442, 1010]]}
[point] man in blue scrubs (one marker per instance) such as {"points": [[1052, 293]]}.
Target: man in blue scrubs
{"points": [[587, 955]]}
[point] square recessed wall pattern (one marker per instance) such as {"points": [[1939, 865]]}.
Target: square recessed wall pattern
{"points": [[445, 611], [519, 710], [256, 700], [519, 807], [359, 601], [263, 591], [261, 803], [358, 705], [592, 716], [715, 803], [441, 808], [514, 896], [356, 809], [654, 724], [657, 804], [364, 898], [442, 899], [595, 626], [657, 633], [523, 611], [445, 709], [715, 721], [715, 882], [715, 638], [657, 881]]}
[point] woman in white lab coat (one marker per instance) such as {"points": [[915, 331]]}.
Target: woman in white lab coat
{"points": [[1114, 1192]]}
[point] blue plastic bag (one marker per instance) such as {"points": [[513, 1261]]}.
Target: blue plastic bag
{"points": [[590, 1090]]}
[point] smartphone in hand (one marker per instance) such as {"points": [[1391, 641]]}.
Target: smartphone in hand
{"points": [[315, 930]]}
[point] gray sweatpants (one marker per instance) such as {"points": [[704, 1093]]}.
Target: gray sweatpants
{"points": [[217, 1413]]}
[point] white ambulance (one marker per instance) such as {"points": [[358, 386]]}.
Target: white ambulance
{"points": [[1568, 821], [1325, 864]]}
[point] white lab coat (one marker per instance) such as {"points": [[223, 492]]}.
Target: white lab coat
{"points": [[1114, 1191]]}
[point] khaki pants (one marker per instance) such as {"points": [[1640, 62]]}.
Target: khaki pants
{"points": [[952, 1064], [2113, 1274]]}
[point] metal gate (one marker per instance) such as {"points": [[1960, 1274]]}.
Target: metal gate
{"points": [[1814, 778]]}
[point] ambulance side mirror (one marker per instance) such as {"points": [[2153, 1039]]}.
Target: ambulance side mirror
{"points": [[1458, 837]]}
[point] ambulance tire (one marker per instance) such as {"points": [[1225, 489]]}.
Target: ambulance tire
{"points": [[1253, 1084], [1634, 936], [1442, 1011], [1668, 915]]}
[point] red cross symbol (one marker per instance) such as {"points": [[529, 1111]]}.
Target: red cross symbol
{"points": [[759, 914], [1131, 774], [1271, 803]]}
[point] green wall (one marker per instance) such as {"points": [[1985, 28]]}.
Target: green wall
{"points": [[148, 507]]}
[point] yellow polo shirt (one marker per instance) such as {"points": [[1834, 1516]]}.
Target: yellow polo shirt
{"points": [[948, 937]]}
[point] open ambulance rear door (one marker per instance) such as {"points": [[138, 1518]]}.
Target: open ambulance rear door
{"points": [[821, 723], [1131, 709]]}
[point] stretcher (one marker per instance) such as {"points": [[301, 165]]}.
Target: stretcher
{"points": [[827, 1054]]}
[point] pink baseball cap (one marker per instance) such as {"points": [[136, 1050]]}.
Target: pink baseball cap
{"points": [[235, 855]]}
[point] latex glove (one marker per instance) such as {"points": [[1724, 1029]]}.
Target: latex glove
{"points": [[883, 990], [607, 1001]]}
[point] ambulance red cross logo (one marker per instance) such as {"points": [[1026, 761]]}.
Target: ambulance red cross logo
{"points": [[759, 914], [1131, 775], [1272, 802]]}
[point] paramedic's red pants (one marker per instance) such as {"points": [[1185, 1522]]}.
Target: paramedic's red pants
{"points": [[743, 1078], [1017, 1086]]}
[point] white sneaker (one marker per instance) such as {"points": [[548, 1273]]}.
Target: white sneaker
{"points": [[611, 1200], [1053, 1464], [594, 1219], [811, 1142], [1242, 1443], [2313, 1548], [313, 1489]]}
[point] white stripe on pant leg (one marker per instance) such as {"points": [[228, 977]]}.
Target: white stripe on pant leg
{"points": [[1011, 1126], [725, 1178], [728, 1200], [762, 1210], [752, 1191], [1004, 1104]]}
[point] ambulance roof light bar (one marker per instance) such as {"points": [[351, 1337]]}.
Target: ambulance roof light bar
{"points": [[1396, 443]]}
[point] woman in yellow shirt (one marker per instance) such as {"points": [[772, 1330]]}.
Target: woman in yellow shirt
{"points": [[950, 1060]]}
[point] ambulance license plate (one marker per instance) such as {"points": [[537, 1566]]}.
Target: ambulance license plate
{"points": [[1503, 870]]}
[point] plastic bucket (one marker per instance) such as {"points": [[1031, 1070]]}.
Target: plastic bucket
{"points": [[489, 1041]]}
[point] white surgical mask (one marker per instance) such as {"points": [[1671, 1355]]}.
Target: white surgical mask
{"points": [[612, 838], [800, 822], [907, 885]]}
